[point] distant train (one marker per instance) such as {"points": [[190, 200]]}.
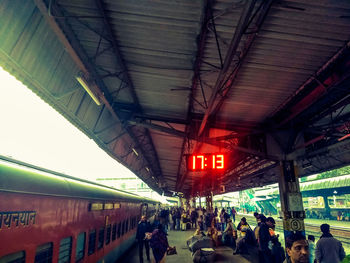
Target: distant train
{"points": [[50, 217], [339, 208]]}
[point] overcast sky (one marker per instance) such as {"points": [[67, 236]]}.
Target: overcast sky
{"points": [[32, 131]]}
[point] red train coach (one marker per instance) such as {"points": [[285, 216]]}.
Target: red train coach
{"points": [[50, 217]]}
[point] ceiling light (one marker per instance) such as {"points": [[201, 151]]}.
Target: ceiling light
{"points": [[87, 86], [344, 137], [135, 152]]}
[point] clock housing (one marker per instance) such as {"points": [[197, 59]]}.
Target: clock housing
{"points": [[206, 162]]}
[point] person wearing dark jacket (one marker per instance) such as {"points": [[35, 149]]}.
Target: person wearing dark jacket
{"points": [[263, 241], [142, 228], [277, 252], [328, 249], [159, 244]]}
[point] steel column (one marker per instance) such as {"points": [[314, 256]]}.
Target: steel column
{"points": [[293, 213]]}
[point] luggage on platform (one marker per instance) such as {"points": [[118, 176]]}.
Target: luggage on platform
{"points": [[204, 255], [205, 242]]}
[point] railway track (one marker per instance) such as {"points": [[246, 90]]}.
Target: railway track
{"points": [[340, 233]]}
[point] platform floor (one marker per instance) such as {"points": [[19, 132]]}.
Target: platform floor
{"points": [[178, 239]]}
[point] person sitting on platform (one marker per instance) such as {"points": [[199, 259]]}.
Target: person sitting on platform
{"points": [[241, 246], [213, 234], [198, 234], [229, 234]]}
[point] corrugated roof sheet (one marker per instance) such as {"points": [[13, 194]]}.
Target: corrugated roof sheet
{"points": [[151, 59]]}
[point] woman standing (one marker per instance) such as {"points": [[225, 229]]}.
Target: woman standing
{"points": [[159, 244]]}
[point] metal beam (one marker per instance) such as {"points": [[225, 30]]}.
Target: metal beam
{"points": [[159, 128], [120, 60], [265, 6], [226, 78], [79, 56], [241, 27], [317, 92], [195, 82]]}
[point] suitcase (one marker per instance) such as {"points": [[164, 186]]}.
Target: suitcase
{"points": [[205, 242], [204, 255]]}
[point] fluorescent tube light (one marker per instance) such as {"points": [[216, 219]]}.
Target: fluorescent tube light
{"points": [[84, 83], [344, 137], [135, 152]]}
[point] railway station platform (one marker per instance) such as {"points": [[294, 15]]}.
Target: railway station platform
{"points": [[184, 255]]}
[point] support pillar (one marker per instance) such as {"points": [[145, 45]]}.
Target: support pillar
{"points": [[326, 207], [291, 200]]}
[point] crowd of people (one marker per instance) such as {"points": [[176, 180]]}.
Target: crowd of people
{"points": [[221, 227]]}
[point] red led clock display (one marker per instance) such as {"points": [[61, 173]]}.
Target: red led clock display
{"points": [[203, 162]]}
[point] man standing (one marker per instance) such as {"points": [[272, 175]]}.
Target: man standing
{"points": [[263, 241], [297, 248], [142, 228], [328, 249], [233, 212]]}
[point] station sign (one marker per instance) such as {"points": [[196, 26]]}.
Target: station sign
{"points": [[294, 224]]}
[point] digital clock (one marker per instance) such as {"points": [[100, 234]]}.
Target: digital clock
{"points": [[203, 162]]}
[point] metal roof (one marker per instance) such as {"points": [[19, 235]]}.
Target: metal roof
{"points": [[261, 80], [337, 184]]}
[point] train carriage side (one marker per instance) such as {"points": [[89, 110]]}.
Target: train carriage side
{"points": [[45, 217]]}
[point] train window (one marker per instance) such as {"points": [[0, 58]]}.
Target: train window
{"points": [[79, 252], [101, 237], [65, 250], [119, 230], [18, 257], [92, 242], [108, 234], [44, 253], [114, 232]]}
